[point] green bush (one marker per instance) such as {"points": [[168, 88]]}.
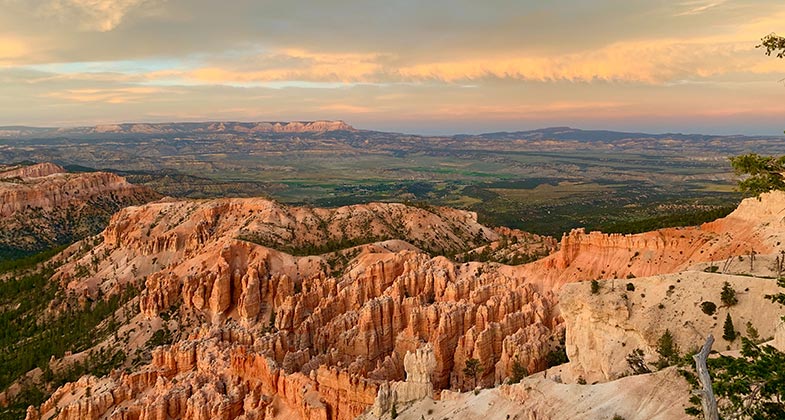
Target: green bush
{"points": [[708, 308], [595, 287], [728, 295], [519, 372]]}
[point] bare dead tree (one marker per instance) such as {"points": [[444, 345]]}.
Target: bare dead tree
{"points": [[708, 401], [726, 266], [780, 263]]}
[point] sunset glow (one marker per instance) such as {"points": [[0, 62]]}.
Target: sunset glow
{"points": [[435, 67]]}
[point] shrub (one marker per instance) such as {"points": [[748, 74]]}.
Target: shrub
{"points": [[558, 356], [752, 333], [630, 287], [708, 308], [519, 372], [728, 295], [595, 287]]}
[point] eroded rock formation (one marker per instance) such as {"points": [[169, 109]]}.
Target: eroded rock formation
{"points": [[42, 205], [301, 312]]}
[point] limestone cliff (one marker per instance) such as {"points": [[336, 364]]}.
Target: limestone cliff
{"points": [[603, 328], [43, 205], [357, 311], [209, 127], [758, 225], [299, 312], [30, 171]]}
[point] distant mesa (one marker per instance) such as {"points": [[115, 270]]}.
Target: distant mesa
{"points": [[178, 128]]}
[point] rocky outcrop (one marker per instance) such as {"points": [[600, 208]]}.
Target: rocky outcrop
{"points": [[216, 127], [660, 396], [31, 171], [42, 206], [758, 225], [603, 328], [419, 367], [346, 316], [212, 375], [305, 313]]}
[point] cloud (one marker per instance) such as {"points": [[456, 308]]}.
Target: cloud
{"points": [[699, 6], [92, 15], [120, 95], [654, 61], [347, 109], [375, 59], [294, 65], [11, 48]]}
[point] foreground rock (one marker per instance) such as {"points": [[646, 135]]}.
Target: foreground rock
{"points": [[603, 328], [660, 396], [307, 313]]}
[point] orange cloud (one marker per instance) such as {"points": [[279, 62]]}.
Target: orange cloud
{"points": [[12, 48], [291, 65], [347, 109], [642, 61], [109, 96], [655, 61]]}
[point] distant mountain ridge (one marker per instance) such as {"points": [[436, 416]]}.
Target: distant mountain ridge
{"points": [[175, 128], [324, 126], [576, 134]]}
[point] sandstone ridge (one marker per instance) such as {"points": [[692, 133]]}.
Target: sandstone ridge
{"points": [[296, 312], [43, 205]]}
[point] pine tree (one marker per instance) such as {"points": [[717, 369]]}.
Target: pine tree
{"points": [[667, 349], [752, 333], [728, 295], [728, 331], [519, 371], [472, 369]]}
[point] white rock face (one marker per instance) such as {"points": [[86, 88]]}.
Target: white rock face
{"points": [[419, 367], [603, 328]]}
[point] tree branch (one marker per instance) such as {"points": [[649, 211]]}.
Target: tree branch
{"points": [[708, 402]]}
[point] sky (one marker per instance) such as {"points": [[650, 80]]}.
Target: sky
{"points": [[430, 67]]}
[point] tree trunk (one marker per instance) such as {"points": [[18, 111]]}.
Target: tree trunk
{"points": [[708, 402]]}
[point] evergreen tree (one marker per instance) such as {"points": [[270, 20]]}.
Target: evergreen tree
{"points": [[728, 331], [764, 173], [752, 333], [472, 369], [728, 295], [667, 349], [519, 372], [773, 44]]}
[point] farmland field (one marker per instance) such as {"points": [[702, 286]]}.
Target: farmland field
{"points": [[545, 181]]}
